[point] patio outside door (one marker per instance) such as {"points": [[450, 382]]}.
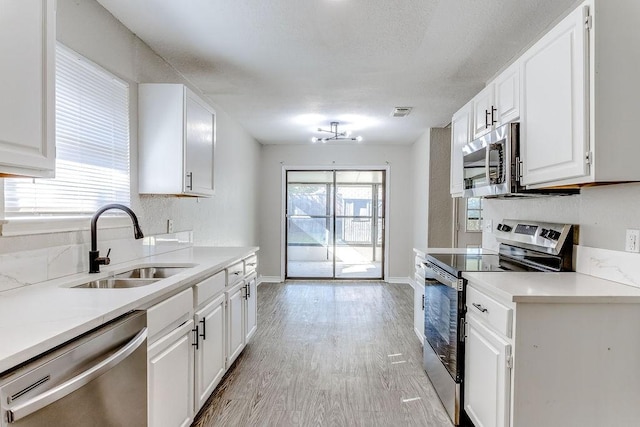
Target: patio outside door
{"points": [[335, 224]]}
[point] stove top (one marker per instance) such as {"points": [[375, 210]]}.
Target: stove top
{"points": [[456, 263]]}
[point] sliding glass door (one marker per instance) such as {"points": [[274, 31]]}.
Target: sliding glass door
{"points": [[335, 221]]}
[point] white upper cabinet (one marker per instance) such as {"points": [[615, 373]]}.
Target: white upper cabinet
{"points": [[554, 129], [460, 136], [27, 76], [498, 103], [580, 98], [177, 133]]}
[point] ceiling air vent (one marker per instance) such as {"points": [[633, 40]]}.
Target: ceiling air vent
{"points": [[401, 111]]}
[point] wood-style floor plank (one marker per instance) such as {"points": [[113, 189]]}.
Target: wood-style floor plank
{"points": [[329, 354]]}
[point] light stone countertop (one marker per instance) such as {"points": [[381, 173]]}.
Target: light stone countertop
{"points": [[423, 251], [36, 318], [564, 287]]}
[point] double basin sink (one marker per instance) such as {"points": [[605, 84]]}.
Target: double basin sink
{"points": [[134, 278]]}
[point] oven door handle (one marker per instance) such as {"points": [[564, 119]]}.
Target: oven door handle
{"points": [[38, 402], [450, 281]]}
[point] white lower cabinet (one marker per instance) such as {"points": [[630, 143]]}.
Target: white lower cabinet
{"points": [[487, 376], [189, 351], [251, 319], [235, 321], [209, 354], [170, 361], [418, 297]]}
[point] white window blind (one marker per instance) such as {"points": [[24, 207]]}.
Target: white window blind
{"points": [[92, 144]]}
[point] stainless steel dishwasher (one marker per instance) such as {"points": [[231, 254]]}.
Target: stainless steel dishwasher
{"points": [[97, 379]]}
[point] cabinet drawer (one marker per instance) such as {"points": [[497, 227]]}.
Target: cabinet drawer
{"points": [[491, 311], [250, 264], [209, 288], [169, 313], [235, 272]]}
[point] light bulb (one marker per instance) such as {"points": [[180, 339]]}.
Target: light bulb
{"points": [[324, 140], [314, 139], [359, 138]]}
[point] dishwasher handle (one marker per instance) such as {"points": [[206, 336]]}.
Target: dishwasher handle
{"points": [[40, 401]]}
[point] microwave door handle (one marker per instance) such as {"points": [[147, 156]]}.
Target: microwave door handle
{"points": [[487, 164]]}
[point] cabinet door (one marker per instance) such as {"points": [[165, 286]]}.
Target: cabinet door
{"points": [[507, 95], [27, 104], [170, 378], [200, 134], [209, 360], [554, 138], [487, 390], [460, 136], [483, 115], [251, 318], [418, 307], [235, 322]]}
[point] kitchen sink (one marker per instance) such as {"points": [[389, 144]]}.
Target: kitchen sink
{"points": [[151, 272], [117, 283]]}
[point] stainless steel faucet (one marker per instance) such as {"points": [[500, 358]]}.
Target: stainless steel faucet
{"points": [[95, 260]]}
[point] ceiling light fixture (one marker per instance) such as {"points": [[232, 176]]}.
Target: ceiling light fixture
{"points": [[337, 135]]}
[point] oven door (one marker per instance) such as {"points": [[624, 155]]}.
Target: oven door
{"points": [[443, 311]]}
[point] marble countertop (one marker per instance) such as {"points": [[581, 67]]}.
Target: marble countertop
{"points": [[565, 287], [36, 318]]}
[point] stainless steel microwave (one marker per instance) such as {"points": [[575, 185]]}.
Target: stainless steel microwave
{"points": [[491, 163]]}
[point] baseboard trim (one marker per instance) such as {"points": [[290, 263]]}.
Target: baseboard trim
{"points": [[269, 279], [420, 336], [400, 281]]}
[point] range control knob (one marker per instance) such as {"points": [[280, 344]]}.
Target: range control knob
{"points": [[545, 233], [554, 235], [504, 227]]}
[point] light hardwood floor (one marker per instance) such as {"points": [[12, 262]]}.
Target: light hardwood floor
{"points": [[329, 354]]}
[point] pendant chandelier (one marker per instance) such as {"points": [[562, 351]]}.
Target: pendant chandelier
{"points": [[336, 135]]}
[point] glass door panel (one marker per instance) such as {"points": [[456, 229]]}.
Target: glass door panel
{"points": [[357, 218], [309, 224]]}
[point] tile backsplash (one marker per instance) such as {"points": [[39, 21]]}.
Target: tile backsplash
{"points": [[29, 267]]}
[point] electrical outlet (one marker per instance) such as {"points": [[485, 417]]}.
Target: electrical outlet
{"points": [[632, 242], [169, 226]]}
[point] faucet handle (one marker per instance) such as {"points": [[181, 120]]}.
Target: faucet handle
{"points": [[108, 252]]}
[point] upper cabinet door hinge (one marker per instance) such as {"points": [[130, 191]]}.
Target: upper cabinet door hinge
{"points": [[510, 362], [588, 158], [588, 22]]}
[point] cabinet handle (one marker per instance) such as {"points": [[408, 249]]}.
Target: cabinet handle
{"points": [[480, 307], [237, 273], [251, 264], [190, 176], [197, 338], [422, 302], [204, 329], [493, 119], [486, 119], [248, 290]]}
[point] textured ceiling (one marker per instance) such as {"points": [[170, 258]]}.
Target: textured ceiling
{"points": [[282, 68]]}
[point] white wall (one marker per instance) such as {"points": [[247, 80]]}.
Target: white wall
{"points": [[229, 217], [603, 213], [400, 180], [420, 164]]}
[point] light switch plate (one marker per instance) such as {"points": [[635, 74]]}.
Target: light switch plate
{"points": [[169, 226], [487, 225]]}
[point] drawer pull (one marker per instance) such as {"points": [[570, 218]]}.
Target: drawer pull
{"points": [[251, 264], [480, 307], [237, 273]]}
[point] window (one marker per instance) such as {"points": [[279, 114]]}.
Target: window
{"points": [[92, 145], [474, 214]]}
